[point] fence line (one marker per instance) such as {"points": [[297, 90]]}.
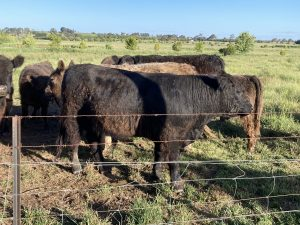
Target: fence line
{"points": [[155, 141], [168, 206], [133, 184], [188, 163], [153, 114], [141, 163], [229, 217]]}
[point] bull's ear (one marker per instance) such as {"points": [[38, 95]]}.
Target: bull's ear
{"points": [[18, 61], [61, 66], [31, 79], [71, 63]]}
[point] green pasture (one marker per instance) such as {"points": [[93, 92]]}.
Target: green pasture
{"points": [[277, 66]]}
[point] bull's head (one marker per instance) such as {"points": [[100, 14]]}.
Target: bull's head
{"points": [[235, 98], [53, 88], [6, 71]]}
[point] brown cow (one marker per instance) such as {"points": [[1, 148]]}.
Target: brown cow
{"points": [[204, 64], [6, 86]]}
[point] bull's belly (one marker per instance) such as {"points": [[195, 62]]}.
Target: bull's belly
{"points": [[153, 128]]}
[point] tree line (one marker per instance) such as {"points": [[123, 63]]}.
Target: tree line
{"points": [[71, 35]]}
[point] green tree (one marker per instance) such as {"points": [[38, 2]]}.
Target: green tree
{"points": [[244, 42], [199, 46], [131, 43]]}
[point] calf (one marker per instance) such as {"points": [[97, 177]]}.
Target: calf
{"points": [[32, 84], [6, 87], [148, 106]]}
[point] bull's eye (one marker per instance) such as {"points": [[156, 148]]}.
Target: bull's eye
{"points": [[51, 83]]}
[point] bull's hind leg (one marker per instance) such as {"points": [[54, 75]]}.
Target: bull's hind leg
{"points": [[159, 156], [174, 153], [97, 151]]}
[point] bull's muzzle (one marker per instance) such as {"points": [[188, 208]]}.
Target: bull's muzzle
{"points": [[3, 90]]}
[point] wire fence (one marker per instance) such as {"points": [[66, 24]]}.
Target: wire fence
{"points": [[241, 176]]}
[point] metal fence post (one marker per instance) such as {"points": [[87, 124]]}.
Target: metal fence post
{"points": [[16, 141]]}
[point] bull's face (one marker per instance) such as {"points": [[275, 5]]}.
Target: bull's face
{"points": [[235, 99], [242, 102], [6, 71], [53, 88]]}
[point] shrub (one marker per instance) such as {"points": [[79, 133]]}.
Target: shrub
{"points": [[55, 40], [108, 47], [156, 47], [28, 41], [82, 45], [297, 42], [282, 53], [177, 46], [199, 46], [229, 50], [244, 42], [131, 43], [6, 38]]}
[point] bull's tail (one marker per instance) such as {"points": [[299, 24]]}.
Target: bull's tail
{"points": [[252, 121], [258, 107]]}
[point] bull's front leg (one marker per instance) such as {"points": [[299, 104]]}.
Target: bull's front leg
{"points": [[76, 166]]}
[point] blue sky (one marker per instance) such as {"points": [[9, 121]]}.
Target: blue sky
{"points": [[263, 18]]}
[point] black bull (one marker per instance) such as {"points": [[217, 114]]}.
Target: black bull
{"points": [[96, 90]]}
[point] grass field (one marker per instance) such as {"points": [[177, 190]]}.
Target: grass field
{"points": [[123, 196]]}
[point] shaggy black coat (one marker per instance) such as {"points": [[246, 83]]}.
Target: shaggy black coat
{"points": [[32, 84], [121, 93], [6, 87]]}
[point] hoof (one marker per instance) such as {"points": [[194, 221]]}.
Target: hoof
{"points": [[77, 169], [99, 167], [178, 186]]}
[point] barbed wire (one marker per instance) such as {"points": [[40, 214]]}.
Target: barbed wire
{"points": [[229, 217], [148, 114], [129, 163], [133, 184], [155, 141], [223, 202]]}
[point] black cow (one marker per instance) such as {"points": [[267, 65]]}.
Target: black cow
{"points": [[6, 86], [32, 84], [204, 64], [106, 91]]}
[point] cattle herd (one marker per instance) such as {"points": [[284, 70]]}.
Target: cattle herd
{"points": [[166, 99]]}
